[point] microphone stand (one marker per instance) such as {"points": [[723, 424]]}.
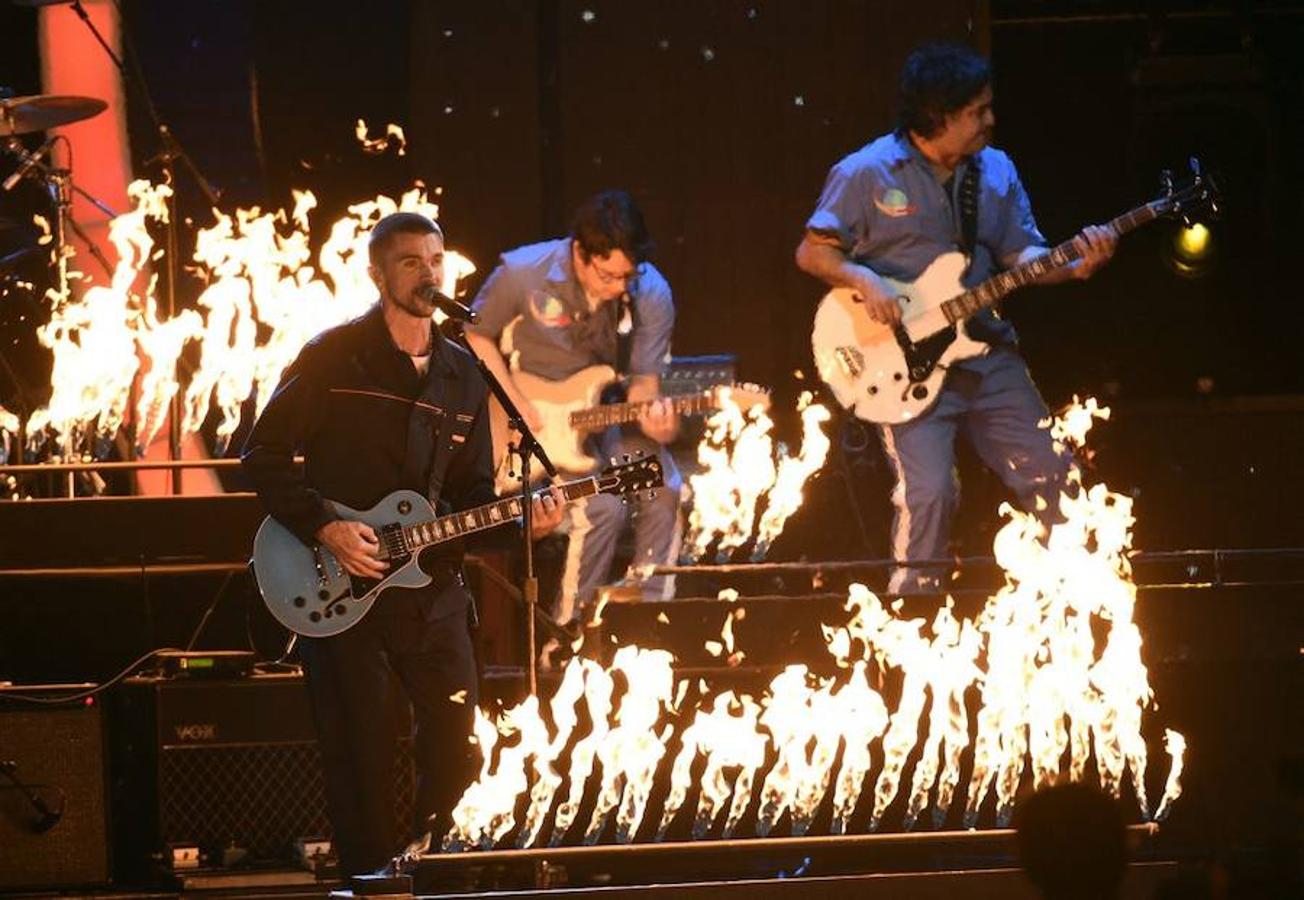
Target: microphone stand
{"points": [[526, 447]]}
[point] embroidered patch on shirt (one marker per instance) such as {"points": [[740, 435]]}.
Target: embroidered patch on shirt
{"points": [[548, 311], [895, 203]]}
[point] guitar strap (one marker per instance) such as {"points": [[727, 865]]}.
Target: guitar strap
{"points": [[444, 443], [443, 392], [969, 207], [625, 337]]}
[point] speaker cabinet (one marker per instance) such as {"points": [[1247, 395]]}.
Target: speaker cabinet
{"points": [[53, 821], [224, 763]]}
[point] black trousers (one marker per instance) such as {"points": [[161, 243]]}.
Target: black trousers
{"points": [[425, 640]]}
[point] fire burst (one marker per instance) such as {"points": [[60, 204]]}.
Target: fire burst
{"points": [[1046, 683], [743, 479], [116, 358]]}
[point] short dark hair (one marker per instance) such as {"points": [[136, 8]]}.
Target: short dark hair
{"points": [[382, 235], [938, 79], [1072, 841], [610, 221]]}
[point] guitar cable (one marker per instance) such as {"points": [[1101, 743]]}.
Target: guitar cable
{"points": [[82, 695]]}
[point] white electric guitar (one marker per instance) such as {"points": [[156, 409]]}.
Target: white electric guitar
{"points": [[892, 374], [307, 590], [571, 411]]}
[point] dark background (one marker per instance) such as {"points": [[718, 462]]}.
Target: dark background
{"points": [[723, 118]]}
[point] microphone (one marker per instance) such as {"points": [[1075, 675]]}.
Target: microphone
{"points": [[29, 162], [454, 309]]}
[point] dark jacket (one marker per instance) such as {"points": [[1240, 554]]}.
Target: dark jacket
{"points": [[366, 423]]}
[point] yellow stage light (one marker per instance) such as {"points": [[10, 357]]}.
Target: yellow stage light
{"points": [[1191, 250], [1193, 242]]}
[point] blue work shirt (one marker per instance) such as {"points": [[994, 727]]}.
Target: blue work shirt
{"points": [[558, 334], [887, 210]]}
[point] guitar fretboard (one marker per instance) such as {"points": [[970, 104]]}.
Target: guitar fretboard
{"points": [[454, 525], [993, 289], [597, 418]]}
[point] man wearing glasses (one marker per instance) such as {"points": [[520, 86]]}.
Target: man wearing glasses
{"points": [[593, 298]]}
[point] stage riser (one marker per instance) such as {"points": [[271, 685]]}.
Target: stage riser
{"points": [[1003, 884]]}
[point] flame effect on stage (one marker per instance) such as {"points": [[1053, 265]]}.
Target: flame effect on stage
{"points": [[748, 487], [1045, 683], [116, 354]]}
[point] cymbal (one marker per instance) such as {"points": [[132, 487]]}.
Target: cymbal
{"points": [[38, 112]]}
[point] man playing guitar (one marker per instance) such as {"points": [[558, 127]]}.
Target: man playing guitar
{"points": [[888, 210], [381, 403], [575, 302]]}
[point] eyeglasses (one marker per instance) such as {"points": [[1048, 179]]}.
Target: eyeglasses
{"points": [[613, 277]]}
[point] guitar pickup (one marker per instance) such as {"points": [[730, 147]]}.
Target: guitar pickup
{"points": [[321, 562], [851, 360]]}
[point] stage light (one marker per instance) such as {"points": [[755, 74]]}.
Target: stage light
{"points": [[1191, 250], [1193, 242]]}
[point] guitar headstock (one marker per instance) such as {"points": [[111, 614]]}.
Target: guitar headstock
{"points": [[631, 474], [743, 393], [1196, 198]]}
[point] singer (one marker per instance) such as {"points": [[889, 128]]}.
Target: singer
{"points": [[381, 403]]}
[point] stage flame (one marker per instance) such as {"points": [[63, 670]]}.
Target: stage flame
{"points": [[262, 301], [1053, 661], [742, 474]]}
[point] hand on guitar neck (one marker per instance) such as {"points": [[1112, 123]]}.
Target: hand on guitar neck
{"points": [[659, 421], [547, 512], [1095, 245]]}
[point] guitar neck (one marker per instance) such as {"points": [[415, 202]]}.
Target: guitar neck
{"points": [[597, 418], [993, 289], [481, 518]]}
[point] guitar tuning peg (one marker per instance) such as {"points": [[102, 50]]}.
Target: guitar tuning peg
{"points": [[614, 461], [1166, 182], [1194, 163]]}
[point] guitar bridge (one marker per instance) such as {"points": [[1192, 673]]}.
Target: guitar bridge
{"points": [[851, 360], [393, 543]]}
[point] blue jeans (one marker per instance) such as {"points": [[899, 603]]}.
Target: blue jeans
{"points": [[595, 525], [992, 401]]}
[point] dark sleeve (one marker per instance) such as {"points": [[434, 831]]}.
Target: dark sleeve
{"points": [[292, 416]]}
